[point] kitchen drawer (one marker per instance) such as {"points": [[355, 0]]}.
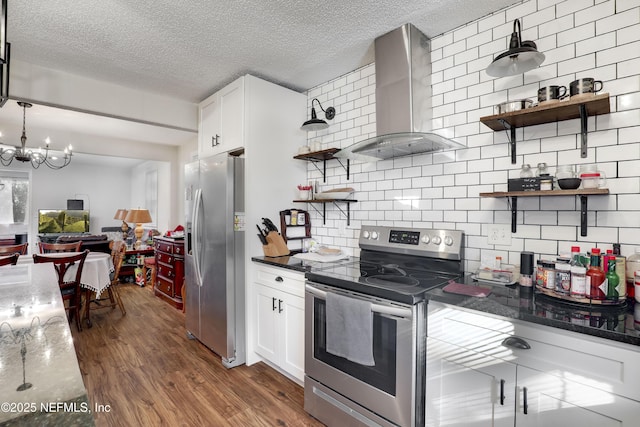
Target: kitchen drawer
{"points": [[165, 286], [597, 362], [165, 258], [278, 278], [166, 271]]}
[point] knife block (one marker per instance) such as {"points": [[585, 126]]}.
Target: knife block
{"points": [[275, 246]]}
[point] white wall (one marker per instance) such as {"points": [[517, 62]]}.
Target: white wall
{"points": [[104, 189], [580, 38]]}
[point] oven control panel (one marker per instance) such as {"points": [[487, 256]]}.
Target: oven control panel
{"points": [[437, 243]]}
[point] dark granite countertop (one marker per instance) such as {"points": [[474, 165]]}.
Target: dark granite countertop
{"points": [[296, 264], [525, 304]]}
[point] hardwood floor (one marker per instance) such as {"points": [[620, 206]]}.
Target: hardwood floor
{"points": [[149, 374]]}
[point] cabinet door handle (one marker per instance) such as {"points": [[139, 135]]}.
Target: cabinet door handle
{"points": [[502, 392], [214, 140], [279, 306], [516, 342], [273, 304], [525, 406], [279, 279]]}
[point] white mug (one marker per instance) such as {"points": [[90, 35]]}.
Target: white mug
{"points": [[316, 146]]}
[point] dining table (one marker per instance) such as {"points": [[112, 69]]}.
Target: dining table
{"points": [[40, 379], [96, 274]]}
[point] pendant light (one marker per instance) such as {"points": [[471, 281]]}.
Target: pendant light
{"points": [[522, 56], [315, 123]]}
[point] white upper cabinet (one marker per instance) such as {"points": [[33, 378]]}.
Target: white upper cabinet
{"points": [[222, 116]]}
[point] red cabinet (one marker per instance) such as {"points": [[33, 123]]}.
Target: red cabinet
{"points": [[169, 255]]}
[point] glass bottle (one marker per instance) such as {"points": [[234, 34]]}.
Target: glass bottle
{"points": [[612, 278], [621, 270], [596, 277], [525, 171], [578, 271]]}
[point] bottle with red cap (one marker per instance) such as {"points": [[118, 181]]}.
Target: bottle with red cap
{"points": [[596, 277]]}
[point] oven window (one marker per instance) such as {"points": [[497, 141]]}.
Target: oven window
{"points": [[383, 374]]}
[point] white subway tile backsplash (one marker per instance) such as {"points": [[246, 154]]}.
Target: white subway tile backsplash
{"points": [[580, 38], [569, 7], [618, 54], [617, 21], [594, 44]]}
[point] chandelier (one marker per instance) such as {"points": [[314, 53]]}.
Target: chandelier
{"points": [[35, 157]]}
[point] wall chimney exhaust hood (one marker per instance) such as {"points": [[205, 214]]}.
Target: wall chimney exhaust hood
{"points": [[403, 100]]}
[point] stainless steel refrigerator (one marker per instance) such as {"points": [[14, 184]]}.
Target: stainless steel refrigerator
{"points": [[214, 263]]}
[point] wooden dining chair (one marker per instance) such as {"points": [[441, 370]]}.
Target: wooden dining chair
{"points": [[11, 249], [69, 286], [46, 248], [9, 259], [118, 250]]}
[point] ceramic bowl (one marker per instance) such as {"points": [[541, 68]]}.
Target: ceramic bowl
{"points": [[569, 183]]}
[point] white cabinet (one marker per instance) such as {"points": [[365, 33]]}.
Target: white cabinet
{"points": [[465, 388], [279, 319], [549, 400], [480, 373], [221, 124]]}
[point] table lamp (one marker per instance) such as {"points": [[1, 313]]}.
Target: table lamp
{"points": [[121, 214], [139, 216]]}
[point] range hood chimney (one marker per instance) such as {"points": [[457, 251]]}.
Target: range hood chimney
{"points": [[403, 100]]}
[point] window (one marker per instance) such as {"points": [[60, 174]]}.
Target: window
{"points": [[14, 202]]}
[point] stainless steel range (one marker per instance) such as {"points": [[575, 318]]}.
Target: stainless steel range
{"points": [[369, 369]]}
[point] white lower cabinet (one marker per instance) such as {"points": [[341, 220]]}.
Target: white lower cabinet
{"points": [[476, 378], [465, 388], [279, 327]]}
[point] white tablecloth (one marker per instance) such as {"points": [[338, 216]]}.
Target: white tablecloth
{"points": [[95, 273]]}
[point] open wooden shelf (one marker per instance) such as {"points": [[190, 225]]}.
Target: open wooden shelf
{"points": [[579, 192], [336, 202], [580, 107], [583, 193], [323, 156]]}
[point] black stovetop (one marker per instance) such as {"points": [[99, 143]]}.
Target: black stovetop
{"points": [[396, 277]]}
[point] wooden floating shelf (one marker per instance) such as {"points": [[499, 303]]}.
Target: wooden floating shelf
{"points": [[579, 192], [548, 113], [324, 207], [583, 193], [322, 156], [580, 107]]}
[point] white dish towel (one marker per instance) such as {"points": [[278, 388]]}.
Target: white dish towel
{"points": [[350, 329]]}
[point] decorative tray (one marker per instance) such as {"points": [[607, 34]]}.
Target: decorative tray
{"points": [[578, 300]]}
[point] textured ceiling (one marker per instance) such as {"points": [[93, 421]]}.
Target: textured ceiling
{"points": [[188, 49]]}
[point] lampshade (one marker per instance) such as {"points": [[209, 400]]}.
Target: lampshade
{"points": [[139, 216], [522, 56], [121, 214], [315, 123]]}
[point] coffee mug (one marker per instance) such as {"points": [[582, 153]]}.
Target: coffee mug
{"points": [[585, 85], [552, 92]]}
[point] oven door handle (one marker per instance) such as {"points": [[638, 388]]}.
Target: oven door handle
{"points": [[376, 308]]}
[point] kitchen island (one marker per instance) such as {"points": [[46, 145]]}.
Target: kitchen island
{"points": [[40, 380]]}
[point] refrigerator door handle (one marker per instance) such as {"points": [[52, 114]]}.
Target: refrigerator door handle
{"points": [[196, 234]]}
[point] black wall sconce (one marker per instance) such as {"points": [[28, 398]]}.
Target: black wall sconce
{"points": [[315, 123], [522, 56]]}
